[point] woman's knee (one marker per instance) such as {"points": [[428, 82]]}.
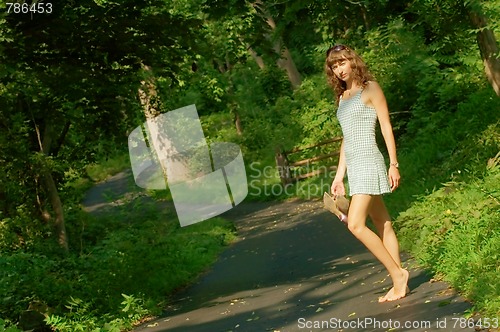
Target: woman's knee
{"points": [[355, 228]]}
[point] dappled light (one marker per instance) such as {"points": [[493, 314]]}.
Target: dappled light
{"points": [[90, 230]]}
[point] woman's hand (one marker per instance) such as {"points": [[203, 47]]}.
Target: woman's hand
{"points": [[394, 177], [338, 188]]}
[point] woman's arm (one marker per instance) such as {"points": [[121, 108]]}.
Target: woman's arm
{"points": [[375, 98], [338, 182]]}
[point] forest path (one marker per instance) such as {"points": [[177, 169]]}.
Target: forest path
{"points": [[296, 267]]}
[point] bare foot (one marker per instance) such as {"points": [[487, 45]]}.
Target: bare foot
{"points": [[399, 290]]}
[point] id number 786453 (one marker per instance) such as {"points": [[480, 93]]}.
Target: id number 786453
{"points": [[482, 323], [26, 8]]}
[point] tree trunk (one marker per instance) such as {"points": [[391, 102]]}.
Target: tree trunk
{"points": [[55, 201], [258, 59], [174, 164], [51, 189], [364, 13], [286, 61], [237, 122], [148, 96], [489, 49]]}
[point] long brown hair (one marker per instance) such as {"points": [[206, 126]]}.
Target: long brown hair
{"points": [[361, 73]]}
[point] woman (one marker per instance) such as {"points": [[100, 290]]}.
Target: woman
{"points": [[361, 102]]}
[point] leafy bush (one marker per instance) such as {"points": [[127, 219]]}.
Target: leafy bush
{"points": [[5, 326], [452, 166], [419, 82], [81, 317], [134, 252], [455, 232]]}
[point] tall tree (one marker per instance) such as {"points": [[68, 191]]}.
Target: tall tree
{"points": [[467, 16], [285, 60], [488, 45], [261, 37], [69, 81]]}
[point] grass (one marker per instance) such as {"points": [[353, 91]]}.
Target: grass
{"points": [[123, 265], [98, 172], [447, 211], [455, 232]]}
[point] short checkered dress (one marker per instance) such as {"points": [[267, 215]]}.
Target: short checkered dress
{"points": [[366, 171]]}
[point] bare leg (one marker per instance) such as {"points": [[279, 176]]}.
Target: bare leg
{"points": [[360, 207], [382, 221]]}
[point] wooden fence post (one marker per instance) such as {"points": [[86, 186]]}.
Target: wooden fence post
{"points": [[283, 165], [286, 166]]}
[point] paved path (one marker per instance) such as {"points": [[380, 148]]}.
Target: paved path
{"points": [[297, 268]]}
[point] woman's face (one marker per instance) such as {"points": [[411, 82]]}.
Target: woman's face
{"points": [[342, 69]]}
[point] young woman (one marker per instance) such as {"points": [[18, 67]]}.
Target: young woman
{"points": [[361, 103]]}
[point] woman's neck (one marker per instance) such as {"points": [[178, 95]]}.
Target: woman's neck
{"points": [[352, 85]]}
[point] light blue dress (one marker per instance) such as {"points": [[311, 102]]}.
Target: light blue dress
{"points": [[366, 170]]}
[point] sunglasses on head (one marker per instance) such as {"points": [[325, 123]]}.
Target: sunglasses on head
{"points": [[336, 48]]}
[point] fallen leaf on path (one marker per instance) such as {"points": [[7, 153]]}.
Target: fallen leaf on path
{"points": [[291, 289], [252, 319], [233, 301], [380, 281], [444, 303]]}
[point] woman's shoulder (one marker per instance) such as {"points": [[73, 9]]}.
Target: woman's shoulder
{"points": [[372, 85], [372, 93], [372, 88]]}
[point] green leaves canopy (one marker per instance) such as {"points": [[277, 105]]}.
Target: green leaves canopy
{"points": [[69, 82]]}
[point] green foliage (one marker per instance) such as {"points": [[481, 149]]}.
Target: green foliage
{"points": [[450, 147], [451, 163], [114, 164], [455, 232], [73, 77], [81, 317], [5, 326], [69, 82], [397, 54], [140, 251], [315, 111]]}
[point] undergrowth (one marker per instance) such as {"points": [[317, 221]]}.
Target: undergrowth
{"points": [[455, 232], [448, 207], [125, 266]]}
